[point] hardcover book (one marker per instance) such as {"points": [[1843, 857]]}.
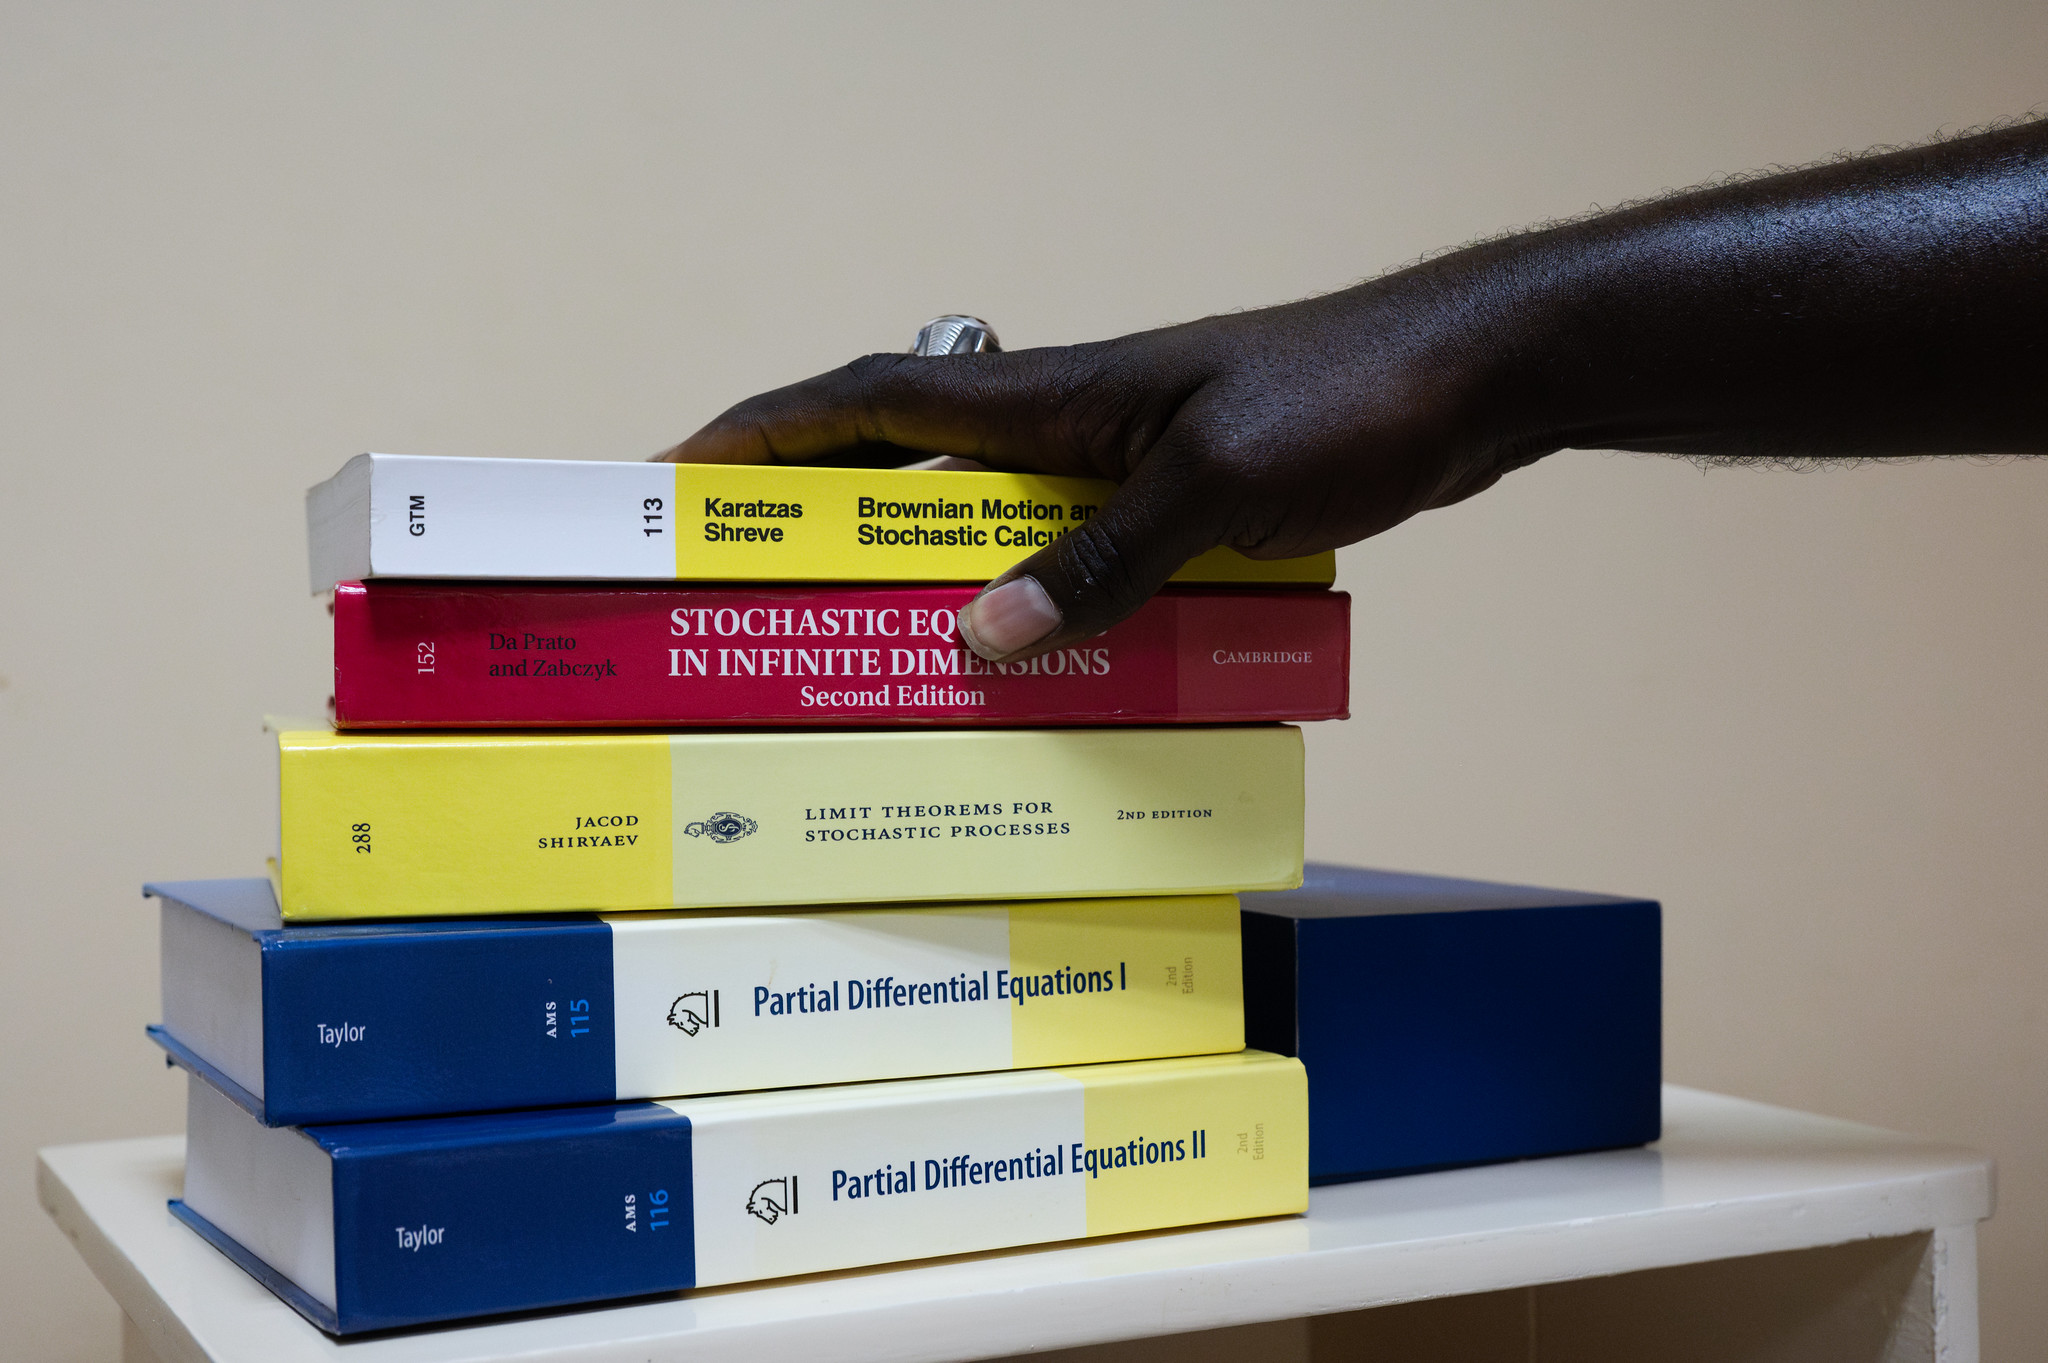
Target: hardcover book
{"points": [[372, 1225], [389, 515], [464, 655], [404, 825], [360, 1021], [1447, 1022]]}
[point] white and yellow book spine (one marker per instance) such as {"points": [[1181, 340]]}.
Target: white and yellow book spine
{"points": [[776, 1001], [391, 825], [921, 1168], [389, 515]]}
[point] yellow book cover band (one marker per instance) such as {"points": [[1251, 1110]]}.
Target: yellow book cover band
{"points": [[384, 825], [387, 515], [1249, 1112]]}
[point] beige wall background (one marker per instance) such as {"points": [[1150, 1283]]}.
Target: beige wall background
{"points": [[239, 243]]}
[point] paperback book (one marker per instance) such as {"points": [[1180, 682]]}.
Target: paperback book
{"points": [[389, 515], [465, 655], [405, 825], [361, 1021], [373, 1225]]}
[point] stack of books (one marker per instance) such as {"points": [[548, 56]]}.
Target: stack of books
{"points": [[673, 900]]}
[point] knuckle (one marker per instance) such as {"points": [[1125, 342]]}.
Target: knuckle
{"points": [[869, 381], [876, 366], [870, 384], [1063, 371], [889, 379]]}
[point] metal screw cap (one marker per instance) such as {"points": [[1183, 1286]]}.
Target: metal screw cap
{"points": [[955, 334]]}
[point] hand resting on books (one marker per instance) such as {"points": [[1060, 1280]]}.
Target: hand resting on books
{"points": [[1868, 307]]}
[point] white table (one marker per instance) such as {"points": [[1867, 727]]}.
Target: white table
{"points": [[1631, 1254]]}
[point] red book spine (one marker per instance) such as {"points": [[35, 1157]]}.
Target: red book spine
{"points": [[472, 655]]}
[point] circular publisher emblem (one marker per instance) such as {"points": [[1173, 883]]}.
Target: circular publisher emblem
{"points": [[724, 826]]}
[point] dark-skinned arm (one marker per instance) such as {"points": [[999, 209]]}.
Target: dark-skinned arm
{"points": [[1886, 305]]}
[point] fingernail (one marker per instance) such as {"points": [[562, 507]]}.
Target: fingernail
{"points": [[1015, 615]]}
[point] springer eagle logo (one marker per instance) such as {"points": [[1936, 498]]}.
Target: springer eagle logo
{"points": [[772, 1199], [724, 826]]}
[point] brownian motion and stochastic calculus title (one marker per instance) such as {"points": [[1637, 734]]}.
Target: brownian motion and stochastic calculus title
{"points": [[872, 512]]}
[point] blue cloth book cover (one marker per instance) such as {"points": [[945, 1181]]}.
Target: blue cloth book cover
{"points": [[1446, 1022]]}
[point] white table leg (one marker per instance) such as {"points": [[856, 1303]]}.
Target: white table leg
{"points": [[1952, 1285]]}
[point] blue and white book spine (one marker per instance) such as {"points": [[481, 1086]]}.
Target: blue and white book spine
{"points": [[375, 1225], [1447, 1022], [366, 1021]]}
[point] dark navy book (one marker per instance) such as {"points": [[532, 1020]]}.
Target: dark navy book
{"points": [[1450, 1022]]}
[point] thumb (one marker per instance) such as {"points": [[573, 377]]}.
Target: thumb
{"points": [[884, 410], [1102, 570]]}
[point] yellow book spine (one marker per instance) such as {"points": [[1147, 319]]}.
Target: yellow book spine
{"points": [[1202, 1138], [780, 523], [1149, 977], [376, 825]]}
